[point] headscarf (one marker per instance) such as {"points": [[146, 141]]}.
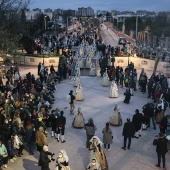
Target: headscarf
{"points": [[63, 152], [98, 140]]}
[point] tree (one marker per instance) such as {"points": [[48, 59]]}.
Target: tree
{"points": [[28, 44], [10, 14]]}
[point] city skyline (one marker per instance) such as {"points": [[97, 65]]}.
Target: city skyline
{"points": [[131, 5]]}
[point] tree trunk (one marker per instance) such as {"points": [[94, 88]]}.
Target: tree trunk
{"points": [[156, 64]]}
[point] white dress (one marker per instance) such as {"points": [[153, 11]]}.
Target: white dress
{"points": [[115, 118], [78, 121], [114, 91], [105, 80], [92, 71], [81, 63], [79, 93], [88, 63], [77, 81], [77, 69]]}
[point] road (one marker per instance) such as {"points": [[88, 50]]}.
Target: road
{"points": [[110, 38]]}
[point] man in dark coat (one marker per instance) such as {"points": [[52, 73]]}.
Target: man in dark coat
{"points": [[61, 126], [39, 68], [164, 123], [127, 96], [128, 133], [137, 120], [161, 149], [72, 101], [44, 159]]}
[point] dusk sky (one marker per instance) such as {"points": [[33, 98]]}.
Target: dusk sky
{"points": [[121, 5]]}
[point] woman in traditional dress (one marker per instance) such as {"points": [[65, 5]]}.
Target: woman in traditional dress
{"points": [[77, 69], [114, 90], [92, 70], [77, 80], [88, 62], [81, 63], [62, 161], [78, 121], [160, 110], [105, 80], [116, 118], [93, 165], [97, 153], [79, 93]]}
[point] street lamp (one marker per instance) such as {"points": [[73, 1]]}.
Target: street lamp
{"points": [[136, 27], [45, 23]]}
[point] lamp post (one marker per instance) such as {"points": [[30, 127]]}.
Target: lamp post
{"points": [[43, 56], [136, 27], [45, 23]]}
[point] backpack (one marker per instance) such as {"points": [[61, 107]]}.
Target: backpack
{"points": [[126, 80]]}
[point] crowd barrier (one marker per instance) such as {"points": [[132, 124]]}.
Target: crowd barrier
{"points": [[163, 67], [34, 61]]}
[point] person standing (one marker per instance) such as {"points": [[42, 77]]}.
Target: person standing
{"points": [[90, 131], [161, 149], [164, 123], [127, 96], [41, 139], [44, 159], [72, 102], [137, 120], [3, 154], [61, 127], [107, 136], [128, 133], [39, 68]]}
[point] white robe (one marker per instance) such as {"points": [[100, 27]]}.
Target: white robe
{"points": [[114, 91], [105, 80], [77, 81]]}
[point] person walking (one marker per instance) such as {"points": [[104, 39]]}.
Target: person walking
{"points": [[137, 120], [107, 136], [128, 133], [44, 159], [161, 149], [61, 127], [90, 131], [72, 102]]}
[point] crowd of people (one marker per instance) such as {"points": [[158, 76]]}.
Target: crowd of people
{"points": [[25, 103]]}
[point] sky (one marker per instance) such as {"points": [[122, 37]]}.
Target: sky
{"points": [[119, 5]]}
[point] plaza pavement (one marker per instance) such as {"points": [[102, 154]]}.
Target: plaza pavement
{"points": [[99, 106]]}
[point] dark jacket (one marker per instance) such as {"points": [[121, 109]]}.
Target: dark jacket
{"points": [[44, 160], [164, 122], [90, 129], [128, 129], [127, 96], [72, 98], [161, 145], [137, 119], [61, 121]]}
